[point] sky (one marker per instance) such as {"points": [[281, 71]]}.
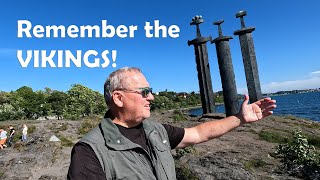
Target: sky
{"points": [[286, 41]]}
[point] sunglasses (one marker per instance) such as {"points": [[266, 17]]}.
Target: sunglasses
{"points": [[143, 91]]}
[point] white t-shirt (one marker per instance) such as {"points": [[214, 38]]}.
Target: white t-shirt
{"points": [[3, 135], [25, 130]]}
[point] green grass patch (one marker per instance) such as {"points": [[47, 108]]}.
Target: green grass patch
{"points": [[87, 124], [254, 163], [272, 137], [58, 127], [184, 172], [184, 151], [314, 140], [291, 117], [178, 116], [66, 142], [31, 129]]}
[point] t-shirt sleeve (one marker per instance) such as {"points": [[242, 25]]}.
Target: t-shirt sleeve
{"points": [[175, 134], [84, 164]]}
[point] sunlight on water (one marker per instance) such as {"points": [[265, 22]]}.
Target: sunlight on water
{"points": [[303, 105]]}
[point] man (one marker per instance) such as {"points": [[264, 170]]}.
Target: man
{"points": [[127, 146]]}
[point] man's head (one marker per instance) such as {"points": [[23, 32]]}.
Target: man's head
{"points": [[128, 93]]}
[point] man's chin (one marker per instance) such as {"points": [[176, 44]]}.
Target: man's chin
{"points": [[147, 114]]}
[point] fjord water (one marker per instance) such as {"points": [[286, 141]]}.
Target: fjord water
{"points": [[303, 105]]}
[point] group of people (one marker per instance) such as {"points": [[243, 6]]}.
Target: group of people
{"points": [[4, 140], [128, 144]]}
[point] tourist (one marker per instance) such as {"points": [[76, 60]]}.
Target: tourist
{"points": [[11, 135], [3, 138], [125, 145], [24, 132]]}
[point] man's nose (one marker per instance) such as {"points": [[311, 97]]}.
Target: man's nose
{"points": [[150, 97]]}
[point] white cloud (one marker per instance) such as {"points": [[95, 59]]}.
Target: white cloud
{"points": [[315, 73], [312, 82]]}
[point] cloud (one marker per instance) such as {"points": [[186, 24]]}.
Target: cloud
{"points": [[315, 73], [311, 82]]}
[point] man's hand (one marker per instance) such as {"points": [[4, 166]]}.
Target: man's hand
{"points": [[253, 112]]}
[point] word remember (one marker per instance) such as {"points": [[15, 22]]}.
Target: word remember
{"points": [[90, 58], [25, 29]]}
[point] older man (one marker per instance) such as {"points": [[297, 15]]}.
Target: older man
{"points": [[125, 145]]}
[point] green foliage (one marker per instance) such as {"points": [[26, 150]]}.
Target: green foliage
{"points": [[31, 129], [298, 152], [17, 136], [4, 97], [88, 124], [29, 101], [66, 142], [8, 112], [184, 151], [82, 102], [170, 100], [273, 137], [57, 101], [178, 116], [314, 140], [58, 127], [184, 173]]}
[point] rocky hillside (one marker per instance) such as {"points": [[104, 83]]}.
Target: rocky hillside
{"points": [[245, 153]]}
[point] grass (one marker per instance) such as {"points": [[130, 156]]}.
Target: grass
{"points": [[254, 163], [184, 151], [66, 142], [275, 137], [272, 137], [314, 140], [58, 127], [184, 172], [31, 129], [87, 124], [178, 116]]}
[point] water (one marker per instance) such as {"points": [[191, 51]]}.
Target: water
{"points": [[304, 105]]}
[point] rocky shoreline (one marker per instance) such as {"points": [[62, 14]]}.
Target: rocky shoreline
{"points": [[240, 154]]}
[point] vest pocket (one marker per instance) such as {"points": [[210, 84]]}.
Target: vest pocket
{"points": [[161, 146]]}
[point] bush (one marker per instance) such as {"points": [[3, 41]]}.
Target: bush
{"points": [[88, 124], [298, 156], [184, 151], [178, 116]]}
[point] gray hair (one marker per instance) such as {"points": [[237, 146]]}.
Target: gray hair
{"points": [[117, 80]]}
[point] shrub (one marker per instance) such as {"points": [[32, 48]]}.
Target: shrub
{"points": [[298, 155], [178, 116], [88, 124], [184, 151]]}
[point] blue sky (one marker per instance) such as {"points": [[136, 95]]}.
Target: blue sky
{"points": [[286, 42]]}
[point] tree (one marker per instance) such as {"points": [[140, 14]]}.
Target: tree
{"points": [[57, 101], [29, 101], [80, 102]]}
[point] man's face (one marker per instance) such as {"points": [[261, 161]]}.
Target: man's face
{"points": [[135, 105]]}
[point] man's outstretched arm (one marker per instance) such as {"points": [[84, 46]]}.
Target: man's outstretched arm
{"points": [[248, 113]]}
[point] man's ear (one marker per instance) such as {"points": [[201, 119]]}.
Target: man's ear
{"points": [[117, 98]]}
